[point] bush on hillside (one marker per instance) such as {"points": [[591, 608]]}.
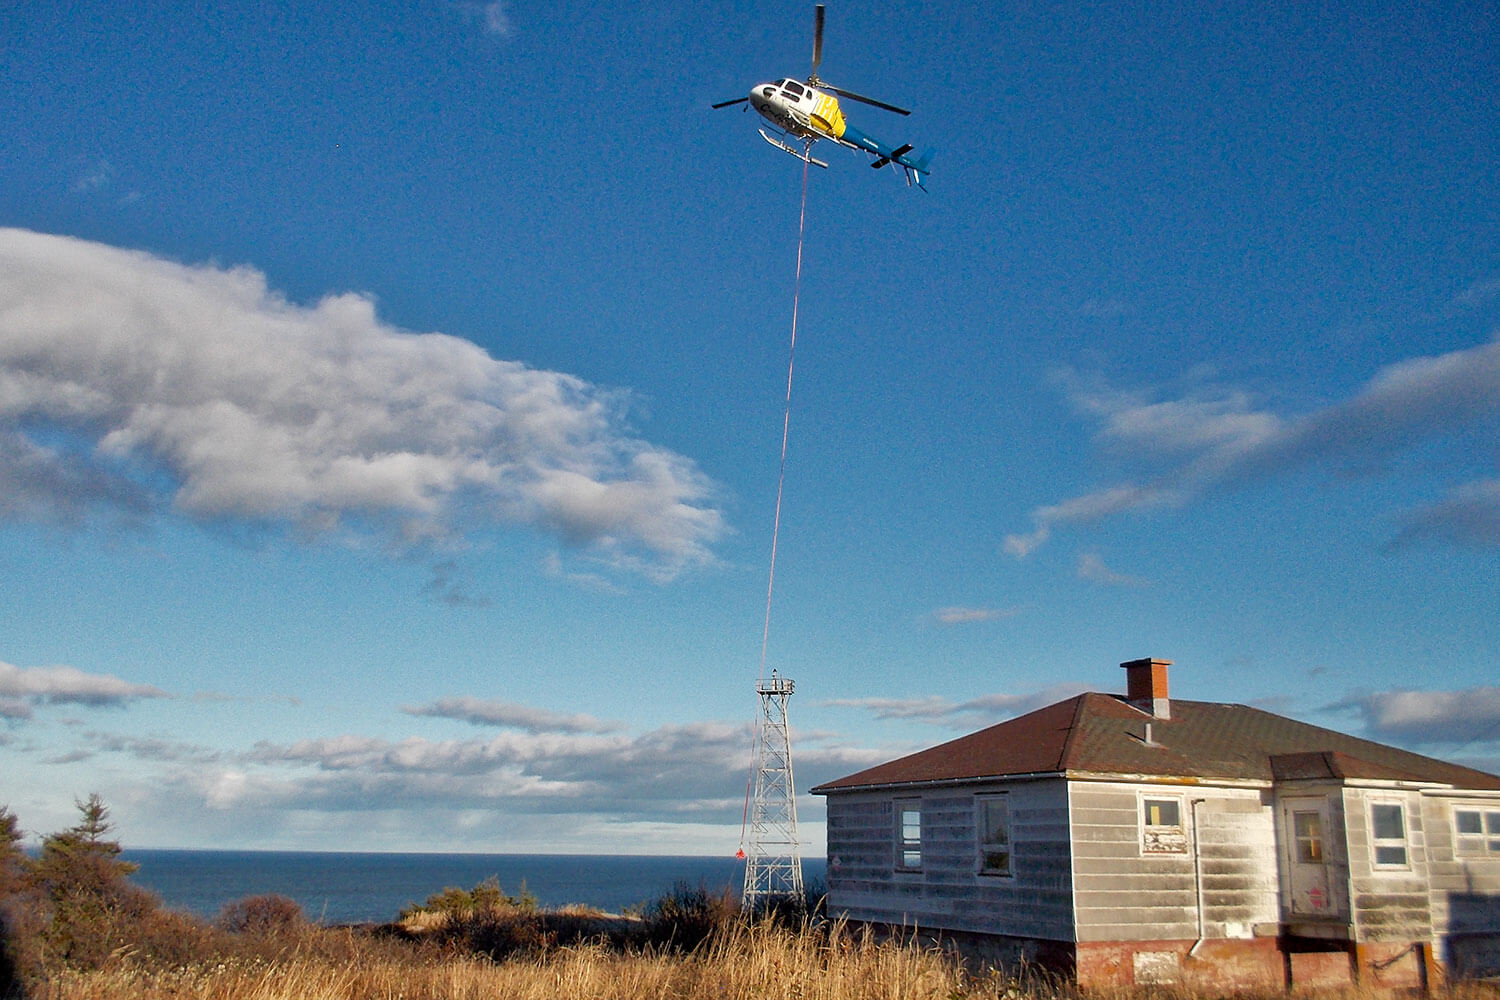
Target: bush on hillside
{"points": [[487, 896], [686, 917], [13, 867], [267, 915]]}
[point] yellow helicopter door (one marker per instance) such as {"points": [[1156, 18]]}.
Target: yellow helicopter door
{"points": [[826, 114]]}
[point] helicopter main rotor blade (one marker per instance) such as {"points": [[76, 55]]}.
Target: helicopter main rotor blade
{"points": [[817, 39], [867, 100], [725, 104]]}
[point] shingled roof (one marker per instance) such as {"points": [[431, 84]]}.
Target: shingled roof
{"points": [[1102, 733]]}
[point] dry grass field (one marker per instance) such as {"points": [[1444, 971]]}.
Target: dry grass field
{"points": [[745, 962], [761, 961]]}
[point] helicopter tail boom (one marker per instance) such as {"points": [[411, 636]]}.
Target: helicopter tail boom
{"points": [[914, 162]]}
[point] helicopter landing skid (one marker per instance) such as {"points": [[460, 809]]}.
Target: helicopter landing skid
{"points": [[804, 154]]}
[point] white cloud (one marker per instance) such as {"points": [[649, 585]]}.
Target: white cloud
{"points": [[1087, 508], [1091, 567], [1468, 515], [1448, 718], [967, 616], [1213, 438], [537, 790], [127, 380], [1478, 294], [497, 19], [95, 177], [506, 714], [668, 770], [66, 685], [985, 710]]}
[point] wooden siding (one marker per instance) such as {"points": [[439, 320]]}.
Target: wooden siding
{"points": [[948, 892], [1464, 898], [1387, 904], [1125, 893]]}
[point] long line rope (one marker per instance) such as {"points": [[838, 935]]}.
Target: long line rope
{"points": [[786, 423]]}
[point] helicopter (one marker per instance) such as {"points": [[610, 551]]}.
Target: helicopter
{"points": [[808, 112]]}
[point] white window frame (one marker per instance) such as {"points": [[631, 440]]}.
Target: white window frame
{"points": [[983, 846], [908, 848], [1377, 843], [1161, 839], [1487, 840]]}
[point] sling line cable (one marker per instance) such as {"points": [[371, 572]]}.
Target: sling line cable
{"points": [[780, 683]]}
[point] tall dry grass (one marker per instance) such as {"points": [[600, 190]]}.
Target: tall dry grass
{"points": [[761, 961]]}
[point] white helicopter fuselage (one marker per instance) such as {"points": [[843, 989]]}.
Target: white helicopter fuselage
{"points": [[800, 110]]}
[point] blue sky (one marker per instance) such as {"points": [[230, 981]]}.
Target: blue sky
{"points": [[391, 400]]}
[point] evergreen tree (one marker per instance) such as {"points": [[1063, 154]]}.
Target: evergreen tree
{"points": [[85, 885], [13, 860]]}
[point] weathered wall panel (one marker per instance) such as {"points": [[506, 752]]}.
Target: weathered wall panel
{"points": [[1390, 903], [1123, 891], [949, 893], [1464, 900]]}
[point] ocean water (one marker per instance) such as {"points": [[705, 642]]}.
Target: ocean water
{"points": [[354, 888]]}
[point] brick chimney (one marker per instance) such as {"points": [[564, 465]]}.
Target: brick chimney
{"points": [[1146, 686]]}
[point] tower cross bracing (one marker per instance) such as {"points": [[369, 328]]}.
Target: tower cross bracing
{"points": [[773, 863]]}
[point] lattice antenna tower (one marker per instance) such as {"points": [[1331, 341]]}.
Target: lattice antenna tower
{"points": [[773, 864]]}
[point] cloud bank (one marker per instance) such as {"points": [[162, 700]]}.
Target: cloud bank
{"points": [[21, 687], [1430, 718], [967, 616], [506, 714], [132, 383], [1217, 437], [985, 710]]}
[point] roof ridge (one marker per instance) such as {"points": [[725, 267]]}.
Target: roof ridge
{"points": [[1066, 756]]}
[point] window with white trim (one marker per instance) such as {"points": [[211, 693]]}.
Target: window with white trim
{"points": [[1388, 834], [909, 834], [1162, 831], [1477, 830], [992, 824]]}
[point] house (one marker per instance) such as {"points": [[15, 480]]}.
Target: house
{"points": [[1137, 838]]}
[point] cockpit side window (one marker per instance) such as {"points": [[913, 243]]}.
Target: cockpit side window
{"points": [[792, 87]]}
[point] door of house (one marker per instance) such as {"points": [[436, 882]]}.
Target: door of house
{"points": [[1306, 842]]}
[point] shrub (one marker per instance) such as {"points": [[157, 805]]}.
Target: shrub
{"points": [[497, 933], [168, 939], [13, 930], [687, 917], [485, 897], [267, 915]]}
